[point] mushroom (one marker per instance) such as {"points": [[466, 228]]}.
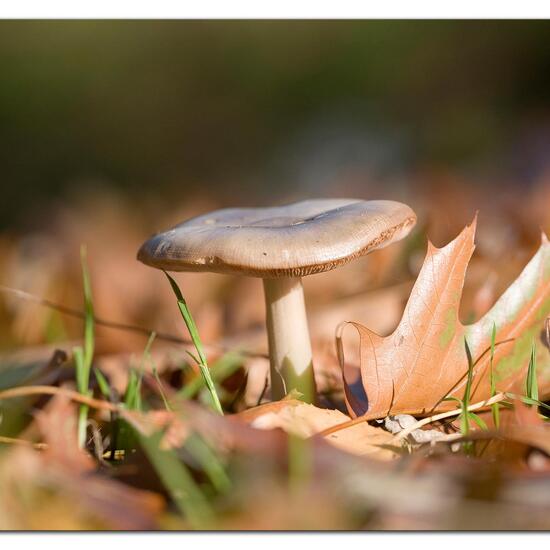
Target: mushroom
{"points": [[281, 245]]}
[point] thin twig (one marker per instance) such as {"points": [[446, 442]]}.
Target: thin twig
{"points": [[446, 438], [97, 440], [348, 424], [14, 441], [366, 417], [24, 391], [455, 412], [72, 312]]}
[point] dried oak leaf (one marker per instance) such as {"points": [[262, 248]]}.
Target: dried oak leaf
{"points": [[424, 360], [304, 420]]}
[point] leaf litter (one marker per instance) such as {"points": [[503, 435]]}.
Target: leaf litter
{"points": [[177, 464]]}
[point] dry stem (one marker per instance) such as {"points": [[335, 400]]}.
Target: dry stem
{"points": [[14, 441], [455, 412], [114, 324], [24, 391]]}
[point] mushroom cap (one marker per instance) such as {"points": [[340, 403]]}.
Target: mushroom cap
{"points": [[284, 241]]}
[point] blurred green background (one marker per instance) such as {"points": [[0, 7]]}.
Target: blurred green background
{"points": [[249, 111]]}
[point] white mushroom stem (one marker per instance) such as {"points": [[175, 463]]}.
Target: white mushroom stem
{"points": [[288, 337]]}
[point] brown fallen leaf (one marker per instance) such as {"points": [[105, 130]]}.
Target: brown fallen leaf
{"points": [[175, 429], [523, 424], [57, 423], [69, 471], [424, 360], [255, 430], [522, 435], [306, 420], [224, 433]]}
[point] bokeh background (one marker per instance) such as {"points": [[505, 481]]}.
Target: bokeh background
{"points": [[257, 111], [112, 130]]}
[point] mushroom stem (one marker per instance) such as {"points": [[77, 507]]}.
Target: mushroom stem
{"points": [[288, 337]]}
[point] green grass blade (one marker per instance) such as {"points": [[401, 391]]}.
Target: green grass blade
{"points": [[209, 462], [132, 396], [78, 357], [132, 399], [193, 356], [82, 387], [495, 408], [104, 386], [179, 482], [528, 400], [84, 356], [464, 416], [147, 352], [464, 424], [160, 387], [186, 314], [89, 339], [147, 356], [194, 333], [224, 367], [468, 388], [531, 385], [480, 422]]}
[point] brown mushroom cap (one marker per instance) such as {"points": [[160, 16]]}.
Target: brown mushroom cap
{"points": [[284, 241]]}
